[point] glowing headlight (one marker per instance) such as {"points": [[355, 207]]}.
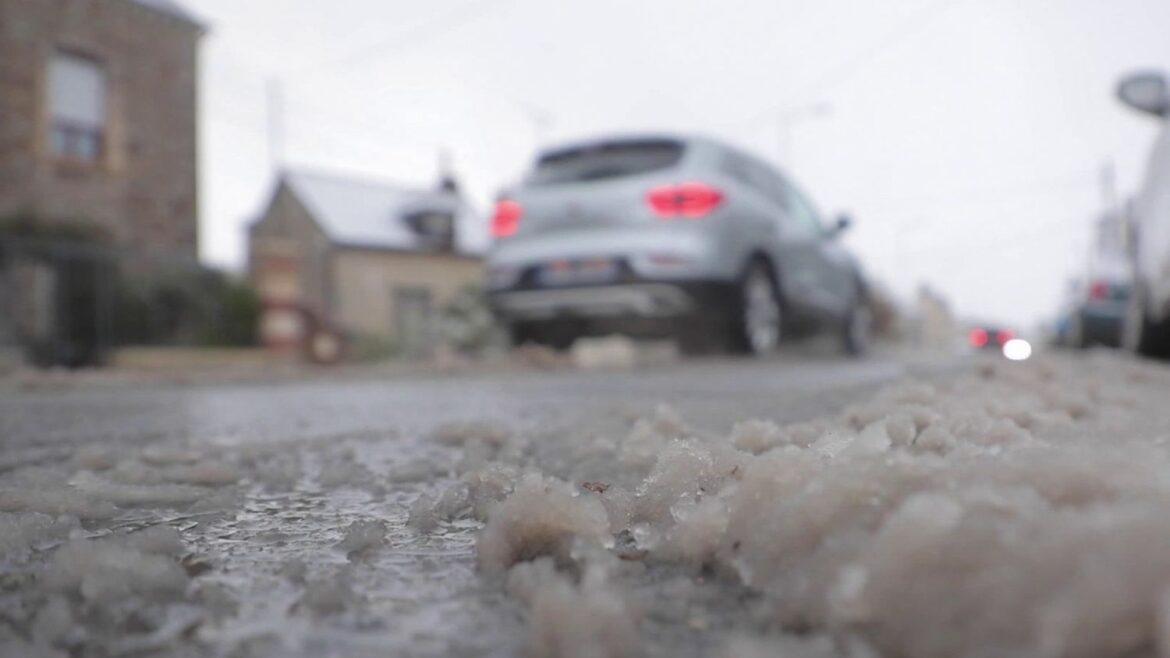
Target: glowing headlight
{"points": [[1017, 349]]}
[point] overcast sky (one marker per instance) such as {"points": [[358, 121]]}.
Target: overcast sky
{"points": [[965, 137]]}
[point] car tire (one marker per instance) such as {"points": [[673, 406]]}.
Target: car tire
{"points": [[698, 336], [554, 335], [758, 316], [520, 333], [1142, 335], [1076, 333], [857, 329]]}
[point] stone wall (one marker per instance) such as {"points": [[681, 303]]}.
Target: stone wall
{"points": [[143, 190]]}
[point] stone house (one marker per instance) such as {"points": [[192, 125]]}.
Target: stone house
{"points": [[98, 106], [336, 257], [98, 138]]}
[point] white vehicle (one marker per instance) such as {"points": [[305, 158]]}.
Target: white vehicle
{"points": [[1147, 320]]}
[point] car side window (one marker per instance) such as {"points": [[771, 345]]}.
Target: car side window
{"points": [[802, 213], [755, 176], [770, 184], [738, 168]]}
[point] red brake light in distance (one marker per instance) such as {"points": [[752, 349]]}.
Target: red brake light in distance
{"points": [[506, 219], [1003, 336], [977, 337], [690, 200], [1098, 290]]}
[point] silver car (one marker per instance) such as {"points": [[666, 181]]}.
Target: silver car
{"points": [[663, 235]]}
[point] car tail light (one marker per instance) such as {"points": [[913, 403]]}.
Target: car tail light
{"points": [[506, 219], [1098, 290], [684, 200], [1003, 336], [977, 337]]}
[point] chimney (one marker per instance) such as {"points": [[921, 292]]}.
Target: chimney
{"points": [[448, 182]]}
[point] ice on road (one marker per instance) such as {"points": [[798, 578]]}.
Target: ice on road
{"points": [[828, 509]]}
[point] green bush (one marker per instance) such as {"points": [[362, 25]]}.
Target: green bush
{"points": [[186, 307], [466, 322]]}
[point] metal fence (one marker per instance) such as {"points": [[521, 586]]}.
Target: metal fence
{"points": [[69, 303]]}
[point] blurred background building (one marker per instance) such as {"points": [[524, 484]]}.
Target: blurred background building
{"points": [[338, 259], [98, 164], [99, 110]]}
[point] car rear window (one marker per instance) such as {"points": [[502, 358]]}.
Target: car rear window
{"points": [[605, 160]]}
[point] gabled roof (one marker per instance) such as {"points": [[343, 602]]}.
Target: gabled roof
{"points": [[363, 213], [171, 8]]}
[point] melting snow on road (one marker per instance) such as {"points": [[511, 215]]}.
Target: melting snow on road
{"points": [[1017, 510], [1021, 510]]}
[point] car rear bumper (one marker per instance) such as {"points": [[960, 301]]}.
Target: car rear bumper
{"points": [[1104, 312], [655, 252], [643, 299], [1102, 322]]}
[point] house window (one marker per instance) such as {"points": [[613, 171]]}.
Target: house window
{"points": [[435, 228], [414, 320], [77, 107]]}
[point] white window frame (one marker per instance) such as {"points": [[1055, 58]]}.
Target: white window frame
{"points": [[77, 106]]}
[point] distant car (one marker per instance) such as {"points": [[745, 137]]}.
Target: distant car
{"points": [[1147, 320], [664, 235], [1097, 310], [1100, 317], [989, 337]]}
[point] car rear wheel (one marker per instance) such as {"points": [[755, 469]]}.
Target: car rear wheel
{"points": [[857, 329], [759, 316]]}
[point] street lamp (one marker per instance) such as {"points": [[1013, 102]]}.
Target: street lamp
{"points": [[792, 116]]}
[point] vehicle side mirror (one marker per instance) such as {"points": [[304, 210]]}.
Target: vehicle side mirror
{"points": [[1147, 92], [841, 225]]}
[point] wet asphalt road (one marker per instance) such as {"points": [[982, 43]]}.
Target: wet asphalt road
{"points": [[420, 595], [710, 394]]}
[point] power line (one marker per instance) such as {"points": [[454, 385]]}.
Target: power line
{"points": [[907, 28], [852, 66], [425, 31], [1019, 239], [332, 118], [990, 194], [435, 27]]}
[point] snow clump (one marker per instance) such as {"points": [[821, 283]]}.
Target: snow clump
{"points": [[1018, 510]]}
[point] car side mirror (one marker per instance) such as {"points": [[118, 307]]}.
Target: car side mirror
{"points": [[841, 225], [1147, 92]]}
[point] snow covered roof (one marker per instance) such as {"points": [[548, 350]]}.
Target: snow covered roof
{"points": [[365, 213], [171, 7]]}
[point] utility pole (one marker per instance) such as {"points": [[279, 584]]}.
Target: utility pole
{"points": [[541, 121], [1109, 185], [275, 125]]}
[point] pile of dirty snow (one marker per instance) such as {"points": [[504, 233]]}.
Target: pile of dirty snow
{"points": [[1018, 510]]}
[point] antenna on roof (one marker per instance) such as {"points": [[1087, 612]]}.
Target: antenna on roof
{"points": [[448, 182]]}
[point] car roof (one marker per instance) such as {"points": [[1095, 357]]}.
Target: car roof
{"points": [[686, 140]]}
